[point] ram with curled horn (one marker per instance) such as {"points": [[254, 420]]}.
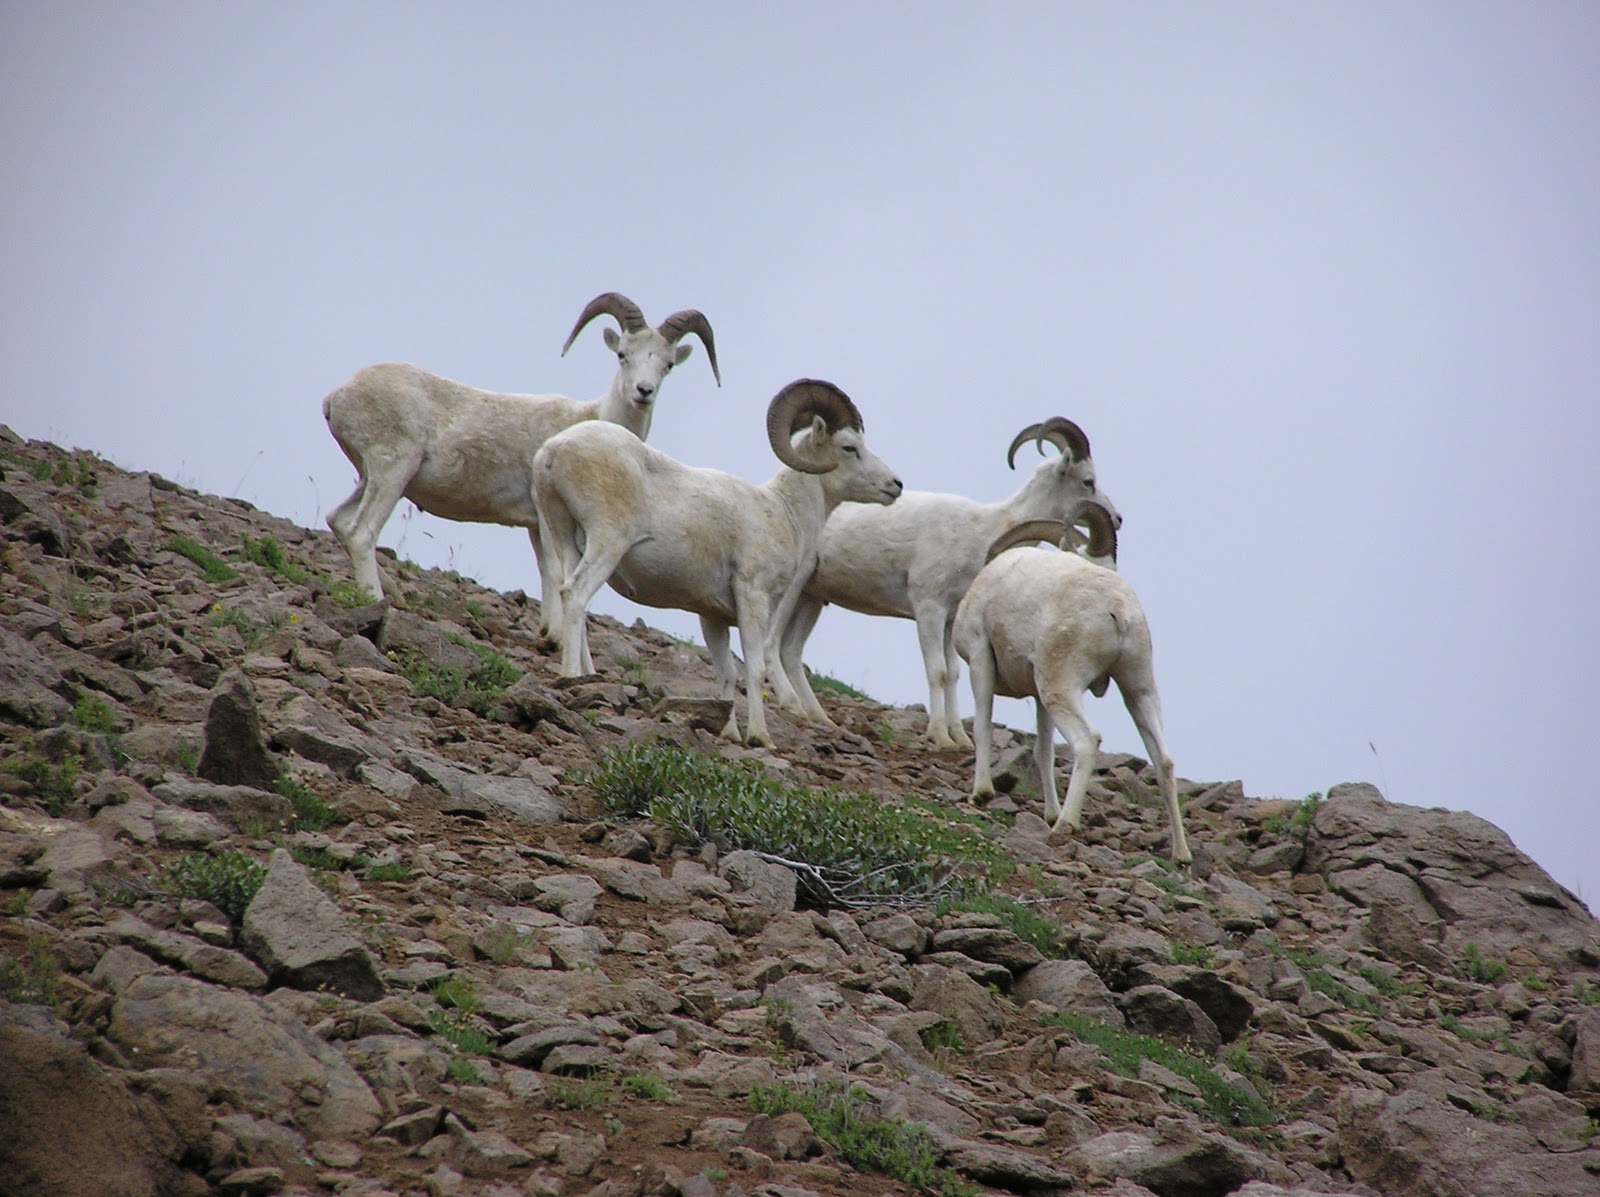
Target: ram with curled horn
{"points": [[916, 559], [1047, 625], [461, 453], [670, 535]]}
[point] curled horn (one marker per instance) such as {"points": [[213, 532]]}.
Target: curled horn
{"points": [[680, 324], [1091, 513], [614, 304], [1059, 431], [797, 403]]}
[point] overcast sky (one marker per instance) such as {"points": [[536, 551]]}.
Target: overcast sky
{"points": [[1321, 282]]}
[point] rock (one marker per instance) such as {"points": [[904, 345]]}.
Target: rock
{"points": [[320, 734], [31, 686], [1006, 1167], [997, 945], [1069, 985], [1156, 1010], [202, 959], [959, 998], [1585, 1074], [72, 1127], [302, 939], [239, 807], [899, 933], [760, 883], [235, 751], [511, 795], [1176, 1161]]}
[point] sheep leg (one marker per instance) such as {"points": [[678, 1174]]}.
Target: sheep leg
{"points": [[551, 572], [753, 611], [717, 644], [1044, 756], [578, 589], [981, 669], [791, 649], [1145, 707], [382, 486], [952, 674], [1068, 716], [941, 679]]}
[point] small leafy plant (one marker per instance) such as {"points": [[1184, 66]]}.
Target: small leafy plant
{"points": [[266, 552], [228, 880], [94, 715], [311, 813], [1484, 969]]}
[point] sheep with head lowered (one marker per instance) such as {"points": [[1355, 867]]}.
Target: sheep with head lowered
{"points": [[1048, 625], [668, 535], [461, 453], [916, 559]]}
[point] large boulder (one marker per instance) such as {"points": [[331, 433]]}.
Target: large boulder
{"points": [[302, 939]]}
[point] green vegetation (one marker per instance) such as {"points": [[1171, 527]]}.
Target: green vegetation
{"points": [[943, 1036], [482, 685], [36, 979], [346, 593], [1227, 1104], [578, 1093], [1195, 955], [1382, 981], [1298, 823], [266, 552], [1586, 992], [16, 905], [646, 1085], [51, 781], [311, 813], [389, 872], [844, 1116], [457, 1023], [462, 1070], [94, 715], [187, 756], [215, 568], [318, 859], [249, 630], [1313, 967], [821, 683], [228, 880], [846, 848], [1024, 921], [501, 943], [1484, 969]]}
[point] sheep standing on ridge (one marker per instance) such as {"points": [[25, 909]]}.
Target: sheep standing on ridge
{"points": [[464, 454], [1049, 625], [916, 559], [668, 535]]}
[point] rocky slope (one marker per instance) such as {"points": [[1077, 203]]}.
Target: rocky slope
{"points": [[460, 974]]}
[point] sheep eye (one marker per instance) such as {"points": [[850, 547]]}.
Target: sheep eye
{"points": [[852, 450]]}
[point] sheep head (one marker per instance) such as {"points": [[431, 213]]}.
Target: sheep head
{"points": [[645, 355], [834, 442], [1092, 514], [1073, 475]]}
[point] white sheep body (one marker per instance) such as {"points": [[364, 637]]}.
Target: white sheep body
{"points": [[669, 535], [1048, 625], [914, 561], [466, 454]]}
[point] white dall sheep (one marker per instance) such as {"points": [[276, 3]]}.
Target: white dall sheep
{"points": [[1049, 625], [465, 454], [916, 559], [668, 535]]}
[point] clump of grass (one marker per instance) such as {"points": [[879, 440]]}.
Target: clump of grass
{"points": [[213, 567], [266, 552], [1227, 1104], [1196, 955], [52, 781], [646, 1085], [457, 1023], [1297, 824], [94, 715], [311, 813], [578, 1093], [348, 594], [821, 683], [1484, 969], [846, 848], [249, 630], [1313, 968], [388, 872], [482, 685], [943, 1035], [845, 1117], [187, 757], [228, 880], [36, 978], [462, 1070], [1023, 920], [501, 943]]}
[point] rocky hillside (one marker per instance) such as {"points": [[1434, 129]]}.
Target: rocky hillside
{"points": [[302, 894]]}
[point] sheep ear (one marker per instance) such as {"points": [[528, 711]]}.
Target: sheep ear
{"points": [[819, 433], [680, 354], [613, 338]]}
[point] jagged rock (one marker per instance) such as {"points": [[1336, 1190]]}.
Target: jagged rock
{"points": [[302, 939], [1412, 1145], [204, 960], [76, 858], [1228, 1005], [512, 795], [31, 687], [997, 945], [1006, 1167], [526, 703], [264, 1058], [761, 884], [1585, 1059], [1069, 985], [239, 807], [1156, 1010], [899, 933], [959, 998], [483, 1153], [1176, 1161], [235, 751], [74, 1128], [813, 1016], [571, 895], [317, 733]]}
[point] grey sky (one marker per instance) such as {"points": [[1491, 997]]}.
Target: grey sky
{"points": [[1322, 283]]}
